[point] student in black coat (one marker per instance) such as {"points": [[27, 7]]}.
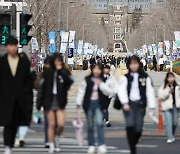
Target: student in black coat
{"points": [[55, 84], [16, 97]]}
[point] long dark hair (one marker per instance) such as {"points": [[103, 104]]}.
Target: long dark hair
{"points": [[54, 57], [166, 79], [100, 67], [137, 59]]}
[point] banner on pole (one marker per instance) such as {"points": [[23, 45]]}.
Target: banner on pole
{"points": [[154, 48], [86, 45], [64, 41], [52, 41], [150, 49], [161, 48], [34, 44], [177, 39], [71, 39], [70, 56], [167, 47], [144, 48], [80, 47]]}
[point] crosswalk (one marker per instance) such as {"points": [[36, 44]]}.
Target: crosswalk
{"points": [[68, 146]]}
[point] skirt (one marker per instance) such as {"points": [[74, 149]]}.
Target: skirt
{"points": [[54, 105]]}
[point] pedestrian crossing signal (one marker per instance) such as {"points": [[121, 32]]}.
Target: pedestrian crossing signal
{"points": [[5, 27], [25, 28]]}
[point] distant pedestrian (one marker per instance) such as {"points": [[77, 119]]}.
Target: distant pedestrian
{"points": [[39, 87], [16, 84], [144, 63], [85, 64], [161, 63], [92, 61], [154, 61], [56, 83], [169, 93], [91, 96], [135, 91], [107, 101]]}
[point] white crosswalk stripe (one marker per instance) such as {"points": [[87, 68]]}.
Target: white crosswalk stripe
{"points": [[68, 145]]}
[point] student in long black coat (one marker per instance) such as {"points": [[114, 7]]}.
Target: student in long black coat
{"points": [[16, 97]]}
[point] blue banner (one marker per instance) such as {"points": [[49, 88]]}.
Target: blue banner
{"points": [[52, 41]]}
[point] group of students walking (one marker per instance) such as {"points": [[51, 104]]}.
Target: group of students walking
{"points": [[134, 90]]}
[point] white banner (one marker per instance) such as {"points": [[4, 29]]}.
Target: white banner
{"points": [[174, 47], [177, 38], [80, 47], [161, 48], [167, 45], [144, 48], [86, 45], [64, 42], [90, 48], [71, 39], [150, 50], [34, 44]]}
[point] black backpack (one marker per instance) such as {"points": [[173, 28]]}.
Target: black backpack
{"points": [[117, 103]]}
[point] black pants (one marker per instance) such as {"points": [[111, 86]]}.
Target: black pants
{"points": [[161, 67], [134, 124], [11, 129], [154, 67], [105, 111]]}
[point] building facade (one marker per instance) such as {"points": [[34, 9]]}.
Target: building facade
{"points": [[145, 5], [117, 14]]}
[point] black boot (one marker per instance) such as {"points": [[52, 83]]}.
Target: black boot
{"points": [[131, 139], [138, 136]]}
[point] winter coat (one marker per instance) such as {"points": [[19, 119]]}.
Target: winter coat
{"points": [[85, 91], [15, 90], [45, 90], [167, 98], [145, 86]]}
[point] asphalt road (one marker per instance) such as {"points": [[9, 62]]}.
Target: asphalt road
{"points": [[152, 142]]}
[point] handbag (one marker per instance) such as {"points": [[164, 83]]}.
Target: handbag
{"points": [[117, 103], [79, 128]]}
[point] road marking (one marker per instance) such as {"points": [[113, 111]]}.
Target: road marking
{"points": [[146, 146]]}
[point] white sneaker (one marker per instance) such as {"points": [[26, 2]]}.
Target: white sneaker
{"points": [[169, 141], [56, 142], [7, 150], [16, 144], [173, 140], [91, 150], [102, 149], [51, 148]]}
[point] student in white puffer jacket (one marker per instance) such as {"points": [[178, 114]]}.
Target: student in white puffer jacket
{"points": [[169, 94]]}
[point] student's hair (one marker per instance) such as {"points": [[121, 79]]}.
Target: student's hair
{"points": [[135, 58], [11, 40], [100, 67], [47, 60], [54, 57], [166, 79], [107, 67]]}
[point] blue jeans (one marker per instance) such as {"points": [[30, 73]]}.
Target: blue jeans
{"points": [[135, 117], [22, 132], [171, 118], [95, 111]]}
